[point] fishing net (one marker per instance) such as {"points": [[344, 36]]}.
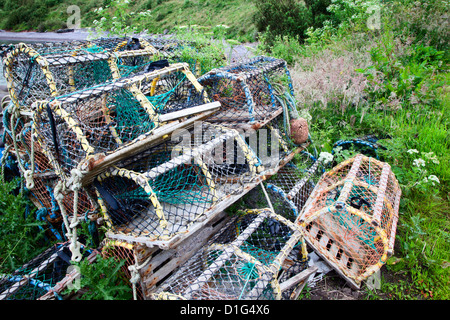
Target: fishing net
{"points": [[105, 118], [37, 277], [126, 253], [201, 57], [166, 189], [40, 71], [351, 216], [242, 262], [251, 92], [291, 186]]}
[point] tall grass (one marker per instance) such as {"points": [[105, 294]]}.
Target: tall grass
{"points": [[391, 81]]}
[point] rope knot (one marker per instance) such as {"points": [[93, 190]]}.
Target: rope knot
{"points": [[28, 175]]}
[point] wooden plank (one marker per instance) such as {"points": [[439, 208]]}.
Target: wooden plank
{"points": [[212, 106], [298, 278], [379, 203]]}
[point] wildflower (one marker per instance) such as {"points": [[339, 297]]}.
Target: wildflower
{"points": [[325, 157], [433, 179], [419, 162], [431, 156], [411, 151]]}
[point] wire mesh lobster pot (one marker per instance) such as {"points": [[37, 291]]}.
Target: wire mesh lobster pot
{"points": [[242, 262], [169, 188], [351, 217], [37, 277], [178, 50], [273, 143], [103, 119], [38, 72], [249, 92]]}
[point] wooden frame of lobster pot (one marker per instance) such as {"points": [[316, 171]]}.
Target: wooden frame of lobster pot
{"points": [[351, 217]]}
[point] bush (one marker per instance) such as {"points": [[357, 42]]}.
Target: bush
{"points": [[282, 17]]}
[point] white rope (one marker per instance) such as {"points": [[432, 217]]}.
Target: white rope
{"points": [[267, 197], [27, 173], [135, 276]]}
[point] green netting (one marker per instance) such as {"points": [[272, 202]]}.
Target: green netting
{"points": [[129, 115], [87, 75]]}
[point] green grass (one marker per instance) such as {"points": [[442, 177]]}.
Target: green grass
{"points": [[49, 15]]}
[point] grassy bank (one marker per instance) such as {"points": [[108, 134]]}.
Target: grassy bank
{"points": [[391, 81], [50, 15]]}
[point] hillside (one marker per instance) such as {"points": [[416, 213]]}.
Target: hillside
{"points": [[50, 15]]}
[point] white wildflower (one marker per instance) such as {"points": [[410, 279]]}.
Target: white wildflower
{"points": [[411, 151], [419, 162], [433, 179], [325, 157], [431, 156]]}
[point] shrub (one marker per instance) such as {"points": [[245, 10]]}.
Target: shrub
{"points": [[282, 17]]}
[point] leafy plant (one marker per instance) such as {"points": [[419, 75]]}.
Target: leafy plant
{"points": [[21, 239], [116, 19], [102, 280]]}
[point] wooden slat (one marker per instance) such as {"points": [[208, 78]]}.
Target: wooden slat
{"points": [[289, 283], [213, 106]]}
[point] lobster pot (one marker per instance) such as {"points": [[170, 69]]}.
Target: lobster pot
{"points": [[29, 152], [171, 188], [250, 92], [105, 118], [290, 188], [127, 254], [273, 143], [38, 72], [242, 262], [351, 217], [37, 277], [200, 57]]}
